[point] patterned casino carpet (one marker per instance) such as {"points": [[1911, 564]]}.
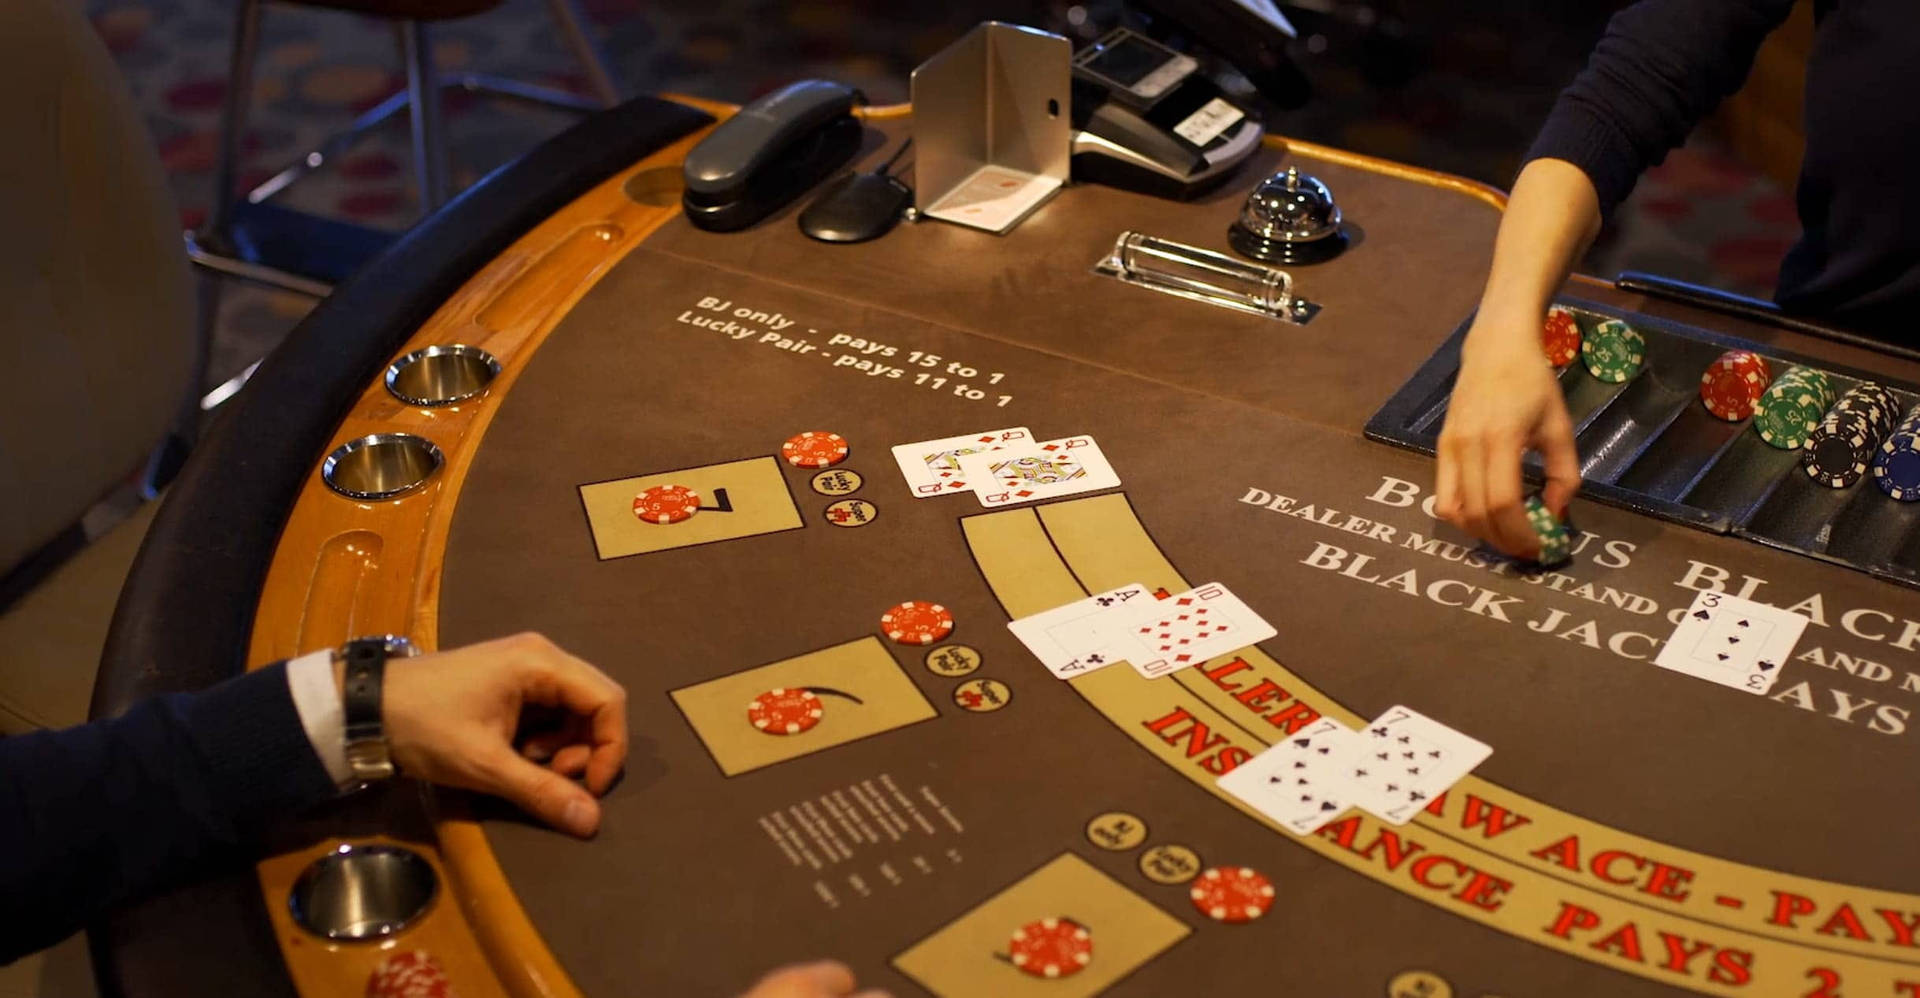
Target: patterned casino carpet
{"points": [[1458, 93]]}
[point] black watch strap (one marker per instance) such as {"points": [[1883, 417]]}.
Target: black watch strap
{"points": [[366, 669]]}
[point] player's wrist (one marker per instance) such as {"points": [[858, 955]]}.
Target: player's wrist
{"points": [[360, 668]]}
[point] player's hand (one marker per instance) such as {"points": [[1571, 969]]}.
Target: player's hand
{"points": [[825, 979], [1505, 402], [451, 718]]}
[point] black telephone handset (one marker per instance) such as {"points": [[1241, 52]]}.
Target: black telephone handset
{"points": [[769, 153]]}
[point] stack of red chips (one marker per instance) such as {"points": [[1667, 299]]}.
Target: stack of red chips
{"points": [[1560, 336], [1733, 384]]}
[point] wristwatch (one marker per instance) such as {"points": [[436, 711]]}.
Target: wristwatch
{"points": [[366, 668]]}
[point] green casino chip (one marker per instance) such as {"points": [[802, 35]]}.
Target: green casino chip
{"points": [[1788, 414], [1613, 351], [1556, 544]]}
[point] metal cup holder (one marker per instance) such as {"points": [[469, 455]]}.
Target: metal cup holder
{"points": [[380, 466], [441, 375], [362, 892]]}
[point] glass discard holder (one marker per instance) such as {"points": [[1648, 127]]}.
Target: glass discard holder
{"points": [[1202, 275]]}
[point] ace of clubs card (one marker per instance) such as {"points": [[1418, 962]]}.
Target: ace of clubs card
{"points": [[1404, 760], [1070, 640], [932, 467], [1732, 641], [1298, 782]]}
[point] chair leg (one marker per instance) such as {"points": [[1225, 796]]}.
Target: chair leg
{"points": [[429, 132], [584, 50], [165, 460], [233, 117]]}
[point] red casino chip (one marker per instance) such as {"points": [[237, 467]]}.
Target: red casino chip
{"points": [[1732, 391], [1560, 338], [666, 504], [1232, 894], [1051, 947], [1747, 360], [814, 449], [785, 712], [917, 622], [409, 975]]}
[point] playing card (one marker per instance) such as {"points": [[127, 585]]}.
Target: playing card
{"points": [[1068, 639], [932, 467], [1732, 641], [1045, 470], [1189, 628], [1298, 782], [1404, 760]]}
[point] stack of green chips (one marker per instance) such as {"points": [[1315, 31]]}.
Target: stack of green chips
{"points": [[1792, 407], [1556, 542], [1613, 351]]}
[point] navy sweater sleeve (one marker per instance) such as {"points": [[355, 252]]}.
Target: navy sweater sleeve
{"points": [[97, 814], [1661, 66]]}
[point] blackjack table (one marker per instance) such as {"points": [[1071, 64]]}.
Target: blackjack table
{"points": [[934, 807]]}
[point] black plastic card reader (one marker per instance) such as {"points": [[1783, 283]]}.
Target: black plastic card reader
{"points": [[1146, 119]]}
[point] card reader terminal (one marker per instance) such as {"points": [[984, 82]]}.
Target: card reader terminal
{"points": [[1146, 119]]}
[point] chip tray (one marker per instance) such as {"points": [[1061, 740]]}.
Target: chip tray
{"points": [[1649, 445]]}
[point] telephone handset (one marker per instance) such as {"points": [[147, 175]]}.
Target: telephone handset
{"points": [[769, 153]]}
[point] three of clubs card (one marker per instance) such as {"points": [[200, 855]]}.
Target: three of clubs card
{"points": [[1732, 641], [932, 467]]}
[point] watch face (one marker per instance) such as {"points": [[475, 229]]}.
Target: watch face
{"points": [[397, 646]]}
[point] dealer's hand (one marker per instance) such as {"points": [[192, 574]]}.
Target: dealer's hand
{"points": [[1505, 401], [825, 979], [451, 717]]}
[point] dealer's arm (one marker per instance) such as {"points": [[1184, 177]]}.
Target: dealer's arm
{"points": [[1661, 66]]}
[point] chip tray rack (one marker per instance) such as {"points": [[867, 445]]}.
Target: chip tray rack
{"points": [[1649, 445]]}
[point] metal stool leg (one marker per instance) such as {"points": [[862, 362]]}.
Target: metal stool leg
{"points": [[584, 50], [233, 116], [429, 131]]}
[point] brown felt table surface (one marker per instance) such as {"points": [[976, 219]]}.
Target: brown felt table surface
{"points": [[715, 862]]}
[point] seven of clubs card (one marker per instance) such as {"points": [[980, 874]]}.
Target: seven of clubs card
{"points": [[1044, 470], [1731, 641], [932, 467], [1404, 760], [1298, 782]]}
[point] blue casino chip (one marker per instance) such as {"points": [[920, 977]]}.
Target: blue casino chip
{"points": [[1897, 468]]}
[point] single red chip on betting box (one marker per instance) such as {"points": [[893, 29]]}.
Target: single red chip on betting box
{"points": [[1051, 947], [917, 622], [666, 504], [785, 712], [814, 449]]}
